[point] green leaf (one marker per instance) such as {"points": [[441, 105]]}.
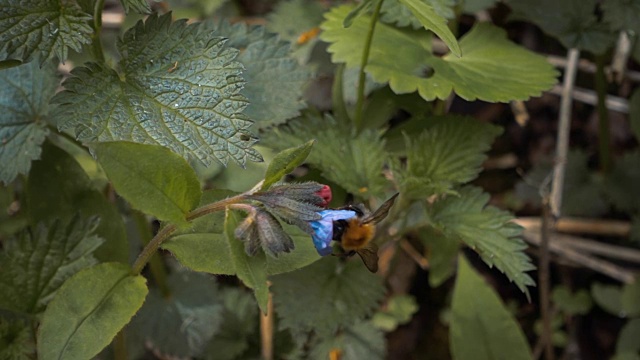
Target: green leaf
{"points": [[180, 326], [481, 326], [354, 162], [152, 178], [304, 254], [274, 79], [394, 12], [36, 263], [239, 325], [89, 310], [202, 252], [572, 22], [634, 112], [42, 29], [480, 74], [487, 230], [292, 18], [578, 303], [58, 188], [628, 338], [474, 6], [631, 299], [24, 101], [443, 251], [434, 22], [448, 153], [358, 341], [622, 15], [608, 297], [178, 87], [621, 185], [252, 270], [364, 6], [16, 340], [399, 311], [325, 295], [139, 6], [285, 162]]}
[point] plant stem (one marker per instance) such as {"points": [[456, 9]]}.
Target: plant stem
{"points": [[604, 132], [155, 263], [266, 330], [120, 346], [166, 232], [363, 64], [337, 95], [544, 280], [96, 42]]}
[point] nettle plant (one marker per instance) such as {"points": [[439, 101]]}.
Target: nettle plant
{"points": [[135, 136]]}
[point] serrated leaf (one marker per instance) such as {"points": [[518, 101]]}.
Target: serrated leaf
{"points": [[443, 251], [58, 188], [181, 325], [325, 295], [354, 162], [89, 310], [434, 22], [139, 6], [16, 340], [274, 79], [39, 260], [622, 15], [393, 12], [578, 303], [42, 29], [178, 87], [252, 270], [572, 22], [24, 101], [363, 7], [448, 153], [481, 326], [240, 323], [608, 297], [481, 73], [487, 230], [634, 111], [285, 162], [358, 341], [151, 178]]}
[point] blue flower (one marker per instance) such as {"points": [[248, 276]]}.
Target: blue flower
{"points": [[323, 228]]}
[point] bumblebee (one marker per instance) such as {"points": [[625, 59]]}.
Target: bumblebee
{"points": [[355, 234]]}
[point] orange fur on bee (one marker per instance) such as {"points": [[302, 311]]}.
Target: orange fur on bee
{"points": [[357, 235]]}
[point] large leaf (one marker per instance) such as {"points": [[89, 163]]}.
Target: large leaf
{"points": [[627, 346], [481, 326], [326, 295], [24, 105], [431, 20], [621, 185], [285, 162], [42, 29], [152, 178], [354, 162], [36, 263], [358, 341], [487, 230], [275, 80], [573, 22], [443, 251], [180, 326], [492, 68], [448, 153], [178, 86], [58, 188], [89, 310], [622, 14], [620, 301], [393, 12]]}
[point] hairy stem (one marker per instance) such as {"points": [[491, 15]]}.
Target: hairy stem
{"points": [[363, 64], [96, 42], [604, 135], [155, 263], [166, 231]]}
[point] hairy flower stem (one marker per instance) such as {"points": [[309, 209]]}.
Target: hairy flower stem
{"points": [[166, 231], [96, 43], [155, 262], [363, 64], [604, 133]]}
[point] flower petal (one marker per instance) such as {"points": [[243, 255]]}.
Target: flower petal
{"points": [[323, 228]]}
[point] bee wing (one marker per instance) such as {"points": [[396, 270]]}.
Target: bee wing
{"points": [[382, 211], [369, 256]]}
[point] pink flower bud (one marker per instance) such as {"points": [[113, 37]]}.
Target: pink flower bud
{"points": [[325, 194]]}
